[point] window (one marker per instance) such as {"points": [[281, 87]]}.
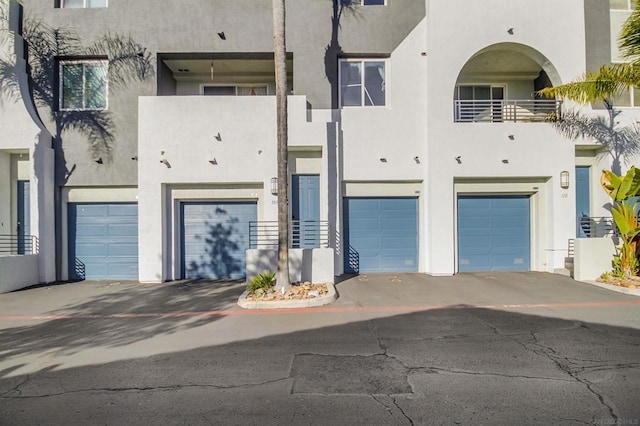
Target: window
{"points": [[362, 82], [373, 2], [83, 85], [479, 103], [241, 90], [79, 4], [629, 98]]}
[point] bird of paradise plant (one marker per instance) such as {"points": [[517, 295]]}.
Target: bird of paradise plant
{"points": [[623, 191]]}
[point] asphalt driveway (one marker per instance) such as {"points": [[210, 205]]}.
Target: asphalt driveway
{"points": [[490, 348]]}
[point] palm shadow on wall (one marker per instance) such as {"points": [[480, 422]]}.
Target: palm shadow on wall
{"points": [[45, 46], [620, 142]]}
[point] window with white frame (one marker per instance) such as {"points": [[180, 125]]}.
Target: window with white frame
{"points": [[621, 4], [629, 98], [234, 90], [373, 2], [83, 85], [362, 82], [82, 4]]}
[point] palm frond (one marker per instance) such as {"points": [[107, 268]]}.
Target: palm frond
{"points": [[629, 38], [604, 84], [128, 60]]}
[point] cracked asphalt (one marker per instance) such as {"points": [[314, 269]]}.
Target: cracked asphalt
{"points": [[406, 349]]}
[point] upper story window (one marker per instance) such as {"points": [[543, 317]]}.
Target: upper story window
{"points": [[629, 98], [362, 82], [621, 4], [374, 2], [79, 4], [83, 85], [229, 90]]}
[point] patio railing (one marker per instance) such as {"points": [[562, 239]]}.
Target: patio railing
{"points": [[302, 234], [11, 245], [498, 111]]}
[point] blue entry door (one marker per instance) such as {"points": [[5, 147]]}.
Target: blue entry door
{"points": [[583, 210], [380, 235], [24, 217], [494, 233], [305, 210], [215, 237]]}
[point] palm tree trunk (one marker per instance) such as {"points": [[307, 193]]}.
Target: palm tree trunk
{"points": [[280, 57]]}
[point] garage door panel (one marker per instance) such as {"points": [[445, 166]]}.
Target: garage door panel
{"points": [[381, 234], [116, 250], [493, 233], [215, 237], [121, 229], [88, 249]]}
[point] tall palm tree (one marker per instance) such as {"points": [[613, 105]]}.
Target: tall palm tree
{"points": [[280, 58]]}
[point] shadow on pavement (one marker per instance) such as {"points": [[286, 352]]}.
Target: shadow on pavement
{"points": [[121, 315], [457, 365]]}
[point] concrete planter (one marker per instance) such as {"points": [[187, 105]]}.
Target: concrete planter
{"points": [[314, 265]]}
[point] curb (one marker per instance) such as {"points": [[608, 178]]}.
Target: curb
{"points": [[243, 302], [610, 287]]}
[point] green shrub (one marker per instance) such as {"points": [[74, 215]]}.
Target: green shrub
{"points": [[262, 281]]}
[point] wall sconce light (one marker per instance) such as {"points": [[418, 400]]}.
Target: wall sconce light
{"points": [[99, 160], [166, 163], [134, 158], [505, 161], [383, 160], [510, 31], [218, 137], [416, 159], [458, 159], [274, 186], [213, 162], [511, 137], [222, 35], [564, 179]]}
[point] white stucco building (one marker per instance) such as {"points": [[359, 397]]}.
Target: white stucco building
{"points": [[416, 140]]}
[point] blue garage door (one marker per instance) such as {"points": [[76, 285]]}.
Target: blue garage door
{"points": [[381, 235], [494, 233], [103, 241], [215, 237]]}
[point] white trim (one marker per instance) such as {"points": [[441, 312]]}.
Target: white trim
{"points": [[535, 189], [84, 5]]}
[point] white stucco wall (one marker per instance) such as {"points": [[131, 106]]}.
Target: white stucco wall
{"points": [[536, 150], [184, 132], [18, 272], [21, 132]]}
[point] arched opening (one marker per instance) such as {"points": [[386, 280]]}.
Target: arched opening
{"points": [[499, 84]]}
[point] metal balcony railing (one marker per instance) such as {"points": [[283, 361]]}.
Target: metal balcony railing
{"points": [[12, 245], [302, 234], [499, 111], [596, 227], [593, 227]]}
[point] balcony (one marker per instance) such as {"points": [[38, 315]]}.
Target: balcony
{"points": [[302, 234], [218, 74], [500, 111], [18, 245]]}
